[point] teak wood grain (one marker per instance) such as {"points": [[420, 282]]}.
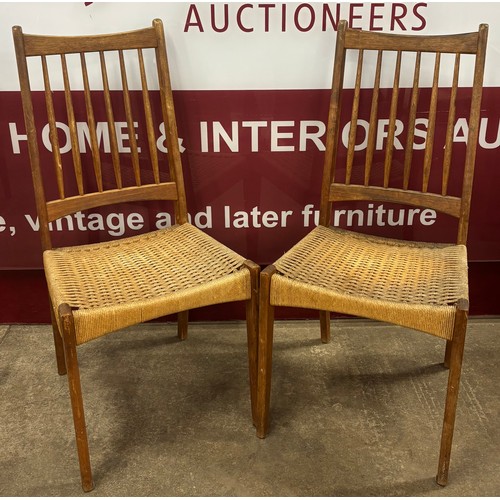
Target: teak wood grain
{"points": [[36, 45], [446, 204], [60, 208]]}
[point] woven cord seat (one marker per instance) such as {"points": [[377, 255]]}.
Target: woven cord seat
{"points": [[121, 283], [406, 283]]}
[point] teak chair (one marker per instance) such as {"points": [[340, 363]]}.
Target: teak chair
{"points": [[99, 288], [418, 285]]}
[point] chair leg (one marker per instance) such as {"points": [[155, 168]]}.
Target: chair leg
{"points": [[252, 317], [58, 344], [324, 320], [75, 392], [266, 324], [447, 354], [455, 363], [182, 324]]}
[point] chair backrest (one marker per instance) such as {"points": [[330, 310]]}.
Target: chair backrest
{"points": [[108, 80], [390, 149]]}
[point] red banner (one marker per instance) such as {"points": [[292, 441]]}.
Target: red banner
{"points": [[253, 165]]}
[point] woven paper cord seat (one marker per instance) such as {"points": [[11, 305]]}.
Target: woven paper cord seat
{"points": [[416, 285], [121, 283]]}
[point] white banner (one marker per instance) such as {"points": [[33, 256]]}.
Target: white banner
{"points": [[247, 46]]}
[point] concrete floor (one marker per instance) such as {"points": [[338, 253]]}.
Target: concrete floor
{"points": [[360, 416]]}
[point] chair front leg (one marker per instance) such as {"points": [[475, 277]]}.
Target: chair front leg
{"points": [[75, 392], [252, 317], [265, 353], [455, 365], [58, 344]]}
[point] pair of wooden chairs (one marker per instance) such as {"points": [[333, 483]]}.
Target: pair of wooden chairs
{"points": [[99, 288]]}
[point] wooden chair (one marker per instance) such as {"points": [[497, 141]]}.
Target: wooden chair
{"points": [[418, 285], [98, 288]]}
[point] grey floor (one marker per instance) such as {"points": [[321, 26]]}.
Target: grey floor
{"points": [[360, 416]]}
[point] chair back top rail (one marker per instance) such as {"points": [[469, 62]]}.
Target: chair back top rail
{"points": [[466, 43], [41, 45]]}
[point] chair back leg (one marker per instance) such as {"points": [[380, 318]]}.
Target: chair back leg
{"points": [[75, 392], [182, 324], [456, 351], [324, 321], [447, 354]]}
